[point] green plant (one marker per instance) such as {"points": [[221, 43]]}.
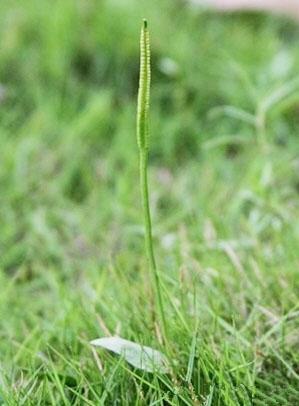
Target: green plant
{"points": [[229, 234], [143, 145]]}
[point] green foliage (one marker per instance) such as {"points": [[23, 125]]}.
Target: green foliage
{"points": [[224, 205]]}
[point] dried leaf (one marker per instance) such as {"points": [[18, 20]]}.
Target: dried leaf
{"points": [[139, 356]]}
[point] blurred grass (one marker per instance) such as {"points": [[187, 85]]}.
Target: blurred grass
{"points": [[224, 196]]}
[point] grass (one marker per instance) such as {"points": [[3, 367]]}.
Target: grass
{"points": [[224, 202]]}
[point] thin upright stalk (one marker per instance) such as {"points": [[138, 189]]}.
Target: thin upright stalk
{"points": [[143, 145]]}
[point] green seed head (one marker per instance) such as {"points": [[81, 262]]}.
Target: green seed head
{"points": [[144, 89]]}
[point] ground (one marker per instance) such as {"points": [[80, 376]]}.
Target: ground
{"points": [[224, 187]]}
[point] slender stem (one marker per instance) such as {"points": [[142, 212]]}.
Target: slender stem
{"points": [[143, 145], [146, 208], [149, 237]]}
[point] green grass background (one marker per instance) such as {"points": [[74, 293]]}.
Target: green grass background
{"points": [[224, 195]]}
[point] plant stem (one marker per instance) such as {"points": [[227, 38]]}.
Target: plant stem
{"points": [[149, 238], [143, 144]]}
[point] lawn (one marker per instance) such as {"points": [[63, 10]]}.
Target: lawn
{"points": [[224, 197]]}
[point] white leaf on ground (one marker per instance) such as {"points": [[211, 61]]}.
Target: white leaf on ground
{"points": [[139, 356]]}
